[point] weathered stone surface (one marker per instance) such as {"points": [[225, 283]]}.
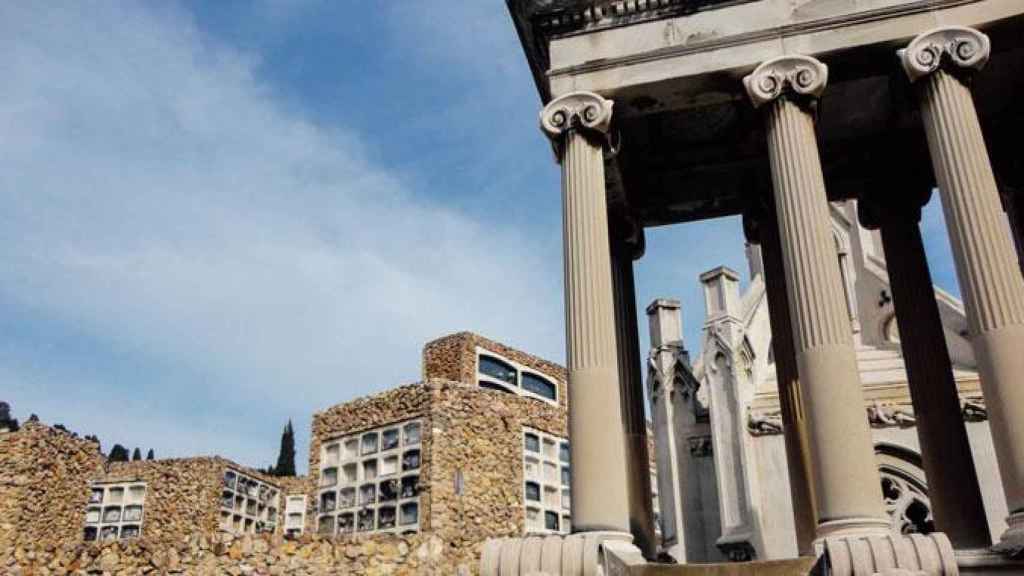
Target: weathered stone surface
{"points": [[358, 556]]}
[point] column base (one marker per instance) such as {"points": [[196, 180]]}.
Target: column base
{"points": [[860, 526], [1012, 541], [580, 554], [887, 555]]}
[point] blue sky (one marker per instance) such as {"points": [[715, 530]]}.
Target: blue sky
{"points": [[221, 215]]}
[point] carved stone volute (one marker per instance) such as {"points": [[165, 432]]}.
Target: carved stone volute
{"points": [[584, 111], [797, 75], [955, 48]]}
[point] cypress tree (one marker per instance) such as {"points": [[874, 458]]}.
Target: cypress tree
{"points": [[150, 455], [118, 454], [286, 457], [6, 421], [137, 454]]}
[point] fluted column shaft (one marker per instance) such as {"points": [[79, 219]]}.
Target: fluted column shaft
{"points": [[599, 486], [638, 465], [945, 451], [794, 423], [846, 483], [1015, 212], [992, 287]]}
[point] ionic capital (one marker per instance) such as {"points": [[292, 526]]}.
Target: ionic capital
{"points": [[802, 75], [584, 111], [957, 47]]}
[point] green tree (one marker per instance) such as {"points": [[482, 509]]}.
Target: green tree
{"points": [[6, 421], [286, 457], [136, 455], [118, 454], [150, 455]]}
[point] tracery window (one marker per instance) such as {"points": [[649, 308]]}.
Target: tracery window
{"points": [[546, 476], [115, 511], [370, 482], [497, 373], [906, 501]]}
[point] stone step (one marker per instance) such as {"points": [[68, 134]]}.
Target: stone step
{"points": [[790, 567]]}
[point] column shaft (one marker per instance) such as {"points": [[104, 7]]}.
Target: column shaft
{"points": [[846, 484], [1014, 201], [952, 481], [599, 484], [794, 424], [990, 281], [638, 467]]}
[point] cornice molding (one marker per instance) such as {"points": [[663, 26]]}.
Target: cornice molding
{"points": [[753, 37], [566, 17]]}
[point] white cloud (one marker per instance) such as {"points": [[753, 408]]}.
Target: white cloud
{"points": [[158, 200]]}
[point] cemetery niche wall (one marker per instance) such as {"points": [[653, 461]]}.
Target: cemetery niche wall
{"points": [[410, 480]]}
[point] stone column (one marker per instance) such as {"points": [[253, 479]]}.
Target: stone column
{"points": [[1013, 202], [578, 123], [626, 245], [941, 62], [945, 452], [846, 483], [763, 228]]}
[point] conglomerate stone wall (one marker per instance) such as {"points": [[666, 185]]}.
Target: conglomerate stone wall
{"points": [[221, 554], [182, 495], [44, 476], [453, 358], [477, 473]]}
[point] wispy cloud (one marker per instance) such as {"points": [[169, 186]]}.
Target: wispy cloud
{"points": [[160, 203]]}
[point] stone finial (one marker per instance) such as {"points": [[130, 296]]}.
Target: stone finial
{"points": [[959, 47], [664, 317], [580, 110], [802, 75], [721, 292]]}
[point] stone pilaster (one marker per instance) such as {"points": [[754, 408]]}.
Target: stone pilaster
{"points": [[945, 451], [577, 123], [846, 483], [626, 245], [764, 229], [941, 62]]}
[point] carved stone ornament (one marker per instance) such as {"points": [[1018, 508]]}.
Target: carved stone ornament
{"points": [[801, 75], [958, 47], [700, 446], [584, 111], [581, 554], [974, 409], [888, 415], [889, 555], [764, 424]]}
